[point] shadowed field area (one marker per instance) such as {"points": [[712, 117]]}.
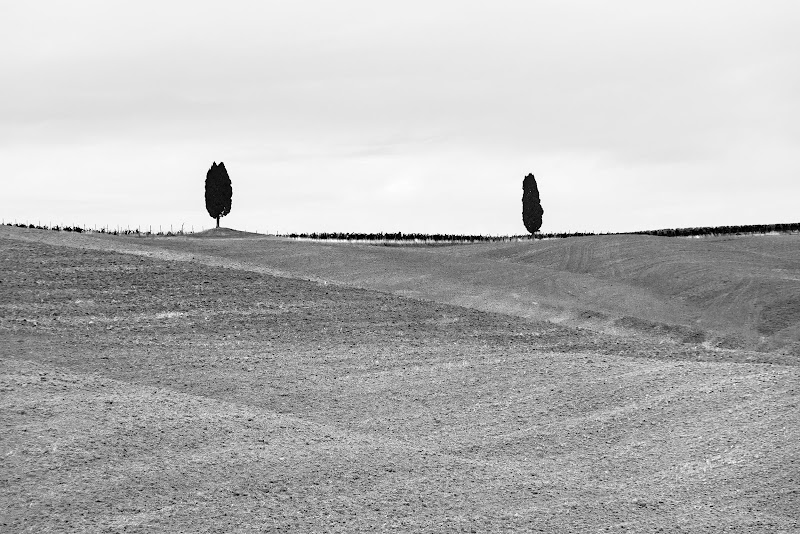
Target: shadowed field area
{"points": [[200, 385]]}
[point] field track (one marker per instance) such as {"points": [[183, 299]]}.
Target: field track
{"points": [[259, 384]]}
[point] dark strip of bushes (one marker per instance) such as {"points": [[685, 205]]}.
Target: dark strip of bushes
{"points": [[723, 230], [78, 229], [457, 238], [56, 228]]}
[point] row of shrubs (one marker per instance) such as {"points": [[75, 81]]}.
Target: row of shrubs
{"points": [[422, 238], [56, 228], [109, 231], [458, 238], [724, 230]]}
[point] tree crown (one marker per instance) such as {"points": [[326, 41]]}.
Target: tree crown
{"points": [[219, 192], [532, 210]]}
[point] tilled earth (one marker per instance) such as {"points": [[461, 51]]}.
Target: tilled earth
{"points": [[150, 395]]}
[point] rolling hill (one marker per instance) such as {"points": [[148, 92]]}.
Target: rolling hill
{"points": [[731, 292], [248, 384]]}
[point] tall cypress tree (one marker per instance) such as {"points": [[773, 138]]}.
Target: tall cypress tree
{"points": [[219, 192], [531, 205]]}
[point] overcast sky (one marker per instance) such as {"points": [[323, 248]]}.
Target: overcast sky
{"points": [[414, 116]]}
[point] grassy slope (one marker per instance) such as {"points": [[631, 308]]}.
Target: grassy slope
{"points": [[749, 283], [167, 395]]}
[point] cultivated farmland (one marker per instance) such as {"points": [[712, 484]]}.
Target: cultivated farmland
{"points": [[247, 383]]}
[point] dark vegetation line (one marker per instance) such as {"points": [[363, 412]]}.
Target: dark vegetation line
{"points": [[723, 230], [103, 230], [455, 238], [401, 238]]}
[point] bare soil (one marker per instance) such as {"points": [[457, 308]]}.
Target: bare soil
{"points": [[158, 385]]}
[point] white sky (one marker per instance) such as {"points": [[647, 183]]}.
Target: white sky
{"points": [[414, 116]]}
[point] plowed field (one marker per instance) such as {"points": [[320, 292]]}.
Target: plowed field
{"points": [[206, 386]]}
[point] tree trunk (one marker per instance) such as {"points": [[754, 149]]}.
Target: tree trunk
{"points": [[217, 222]]}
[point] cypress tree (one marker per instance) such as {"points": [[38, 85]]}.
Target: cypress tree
{"points": [[218, 191], [531, 205]]}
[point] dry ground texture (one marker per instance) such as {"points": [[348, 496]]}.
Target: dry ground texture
{"points": [[253, 384]]}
